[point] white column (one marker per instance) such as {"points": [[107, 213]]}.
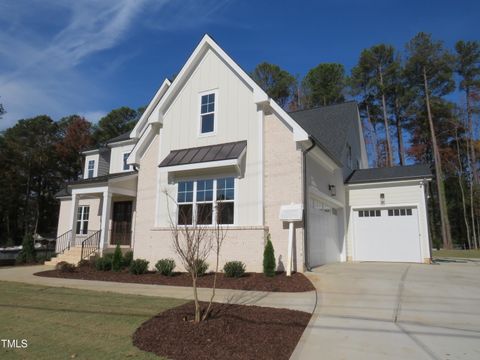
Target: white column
{"points": [[73, 217], [291, 229], [106, 206]]}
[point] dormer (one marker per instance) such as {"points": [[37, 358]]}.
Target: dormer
{"points": [[120, 148], [97, 162]]}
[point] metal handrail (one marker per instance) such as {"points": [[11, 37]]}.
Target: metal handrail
{"points": [[62, 242], [90, 245]]}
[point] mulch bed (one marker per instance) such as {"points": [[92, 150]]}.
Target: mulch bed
{"points": [[251, 281], [234, 332]]}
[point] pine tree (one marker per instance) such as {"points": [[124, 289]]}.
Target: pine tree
{"points": [[269, 259]]}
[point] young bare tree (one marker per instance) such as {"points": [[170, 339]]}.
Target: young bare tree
{"points": [[194, 241]]}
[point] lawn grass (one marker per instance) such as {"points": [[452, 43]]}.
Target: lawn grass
{"points": [[457, 253], [61, 323]]}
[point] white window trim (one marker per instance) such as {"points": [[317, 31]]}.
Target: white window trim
{"points": [[215, 113], [81, 211], [214, 201], [123, 161]]}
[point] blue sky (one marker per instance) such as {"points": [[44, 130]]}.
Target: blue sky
{"points": [[88, 57]]}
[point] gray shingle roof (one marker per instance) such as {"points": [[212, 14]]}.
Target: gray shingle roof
{"points": [[329, 126], [389, 174], [103, 178], [201, 154], [63, 193], [122, 137]]}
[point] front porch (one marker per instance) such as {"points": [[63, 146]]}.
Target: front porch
{"points": [[101, 215]]}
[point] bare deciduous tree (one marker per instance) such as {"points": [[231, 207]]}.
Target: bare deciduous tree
{"points": [[194, 241]]}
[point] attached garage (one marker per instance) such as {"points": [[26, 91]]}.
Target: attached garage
{"points": [[388, 216], [324, 244], [391, 234]]}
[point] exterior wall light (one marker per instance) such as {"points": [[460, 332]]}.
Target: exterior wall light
{"points": [[332, 190], [382, 199]]}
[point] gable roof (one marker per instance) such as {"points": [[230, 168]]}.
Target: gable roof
{"points": [[396, 173], [201, 154], [329, 126]]}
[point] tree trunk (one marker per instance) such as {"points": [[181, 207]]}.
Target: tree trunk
{"points": [[401, 146], [385, 119], [444, 221], [195, 298], [462, 191], [373, 135], [473, 157], [471, 195]]}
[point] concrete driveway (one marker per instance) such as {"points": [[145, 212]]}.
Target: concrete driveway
{"points": [[394, 311]]}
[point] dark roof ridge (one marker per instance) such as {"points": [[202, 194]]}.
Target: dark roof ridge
{"points": [[323, 106]]}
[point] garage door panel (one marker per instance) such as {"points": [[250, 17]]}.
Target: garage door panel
{"points": [[323, 239], [388, 235]]}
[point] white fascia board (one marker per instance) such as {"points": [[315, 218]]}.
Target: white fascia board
{"points": [[406, 182], [202, 165], [89, 190], [91, 152], [121, 143], [298, 133], [142, 144], [122, 178], [140, 126]]}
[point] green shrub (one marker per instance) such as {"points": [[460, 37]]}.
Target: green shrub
{"points": [[86, 263], [117, 259], [65, 267], [200, 267], [139, 266], [104, 263], [44, 257], [165, 266], [234, 269], [269, 259], [27, 254], [127, 259]]}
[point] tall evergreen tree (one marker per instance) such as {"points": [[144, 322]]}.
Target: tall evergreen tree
{"points": [[429, 71], [279, 84], [324, 85]]}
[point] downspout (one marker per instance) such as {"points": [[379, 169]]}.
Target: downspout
{"points": [[305, 205], [430, 239]]}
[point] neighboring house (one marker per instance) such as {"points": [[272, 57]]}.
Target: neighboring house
{"points": [[213, 137]]}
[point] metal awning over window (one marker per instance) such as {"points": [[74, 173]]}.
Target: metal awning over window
{"points": [[212, 156]]}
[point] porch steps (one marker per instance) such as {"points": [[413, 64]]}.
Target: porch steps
{"points": [[71, 256]]}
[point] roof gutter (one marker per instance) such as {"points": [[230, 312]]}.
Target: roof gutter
{"points": [[305, 205]]}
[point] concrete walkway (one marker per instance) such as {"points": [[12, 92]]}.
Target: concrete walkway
{"points": [[394, 311], [295, 301]]}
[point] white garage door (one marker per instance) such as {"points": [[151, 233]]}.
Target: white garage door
{"points": [[387, 235], [323, 242]]}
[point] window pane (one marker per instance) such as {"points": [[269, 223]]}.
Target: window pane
{"points": [[409, 211], [204, 109], [360, 213], [396, 212], [204, 214], [185, 191], [372, 212], [366, 213], [185, 214], [211, 98], [225, 213], [211, 107], [85, 227], [78, 227], [207, 123], [390, 212], [204, 99], [377, 212], [403, 212]]}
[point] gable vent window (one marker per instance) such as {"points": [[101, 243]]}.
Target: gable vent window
{"points": [[91, 168], [207, 113]]}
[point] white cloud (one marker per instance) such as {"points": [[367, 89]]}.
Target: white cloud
{"points": [[45, 41]]}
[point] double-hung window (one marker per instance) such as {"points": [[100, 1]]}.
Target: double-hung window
{"points": [[206, 201], [125, 165], [82, 220], [91, 168], [207, 113]]}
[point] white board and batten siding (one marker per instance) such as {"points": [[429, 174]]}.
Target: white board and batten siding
{"points": [[393, 230]]}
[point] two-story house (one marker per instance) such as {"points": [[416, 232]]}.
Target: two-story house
{"points": [[213, 147]]}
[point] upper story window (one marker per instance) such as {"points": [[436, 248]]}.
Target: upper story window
{"points": [[207, 113], [125, 157], [91, 169], [349, 156], [206, 202]]}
